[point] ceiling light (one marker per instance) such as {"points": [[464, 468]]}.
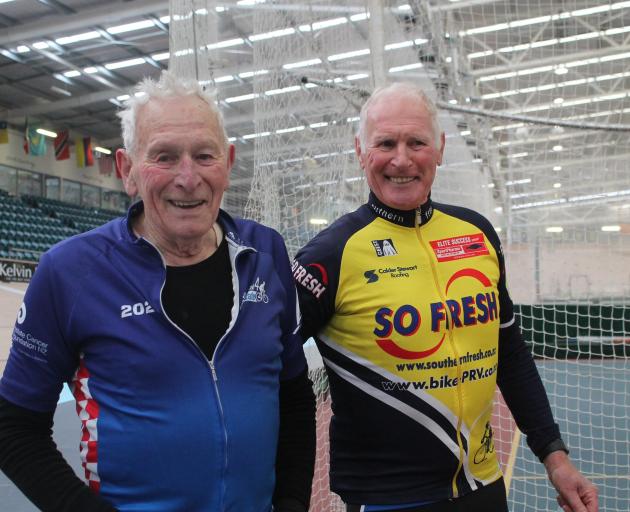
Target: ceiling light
{"points": [[557, 185], [318, 222], [105, 151], [554, 229], [302, 64], [226, 44], [360, 17], [611, 228], [129, 27], [244, 97], [349, 55], [71, 74], [125, 63], [78, 37], [497, 229], [272, 34], [557, 147], [557, 101], [406, 67], [518, 182], [60, 91], [47, 133], [561, 70]]}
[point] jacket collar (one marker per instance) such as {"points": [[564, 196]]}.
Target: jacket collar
{"points": [[408, 218]]}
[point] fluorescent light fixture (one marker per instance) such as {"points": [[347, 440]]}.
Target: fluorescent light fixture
{"points": [[395, 46], [290, 130], [404, 7], [47, 133], [352, 119], [557, 147], [317, 125], [318, 222], [360, 17], [224, 78], [406, 67], [284, 90], [498, 209], [557, 167], [249, 74], [561, 70], [90, 70], [129, 27], [78, 37], [272, 34], [71, 74], [518, 182], [40, 45], [244, 97], [105, 151], [491, 185], [519, 155], [123, 97], [558, 100], [125, 63], [160, 56], [256, 135], [557, 185], [302, 64], [329, 23], [226, 44], [464, 133], [496, 228], [22, 49], [554, 229], [60, 91], [250, 2], [349, 55], [5, 1], [358, 76]]}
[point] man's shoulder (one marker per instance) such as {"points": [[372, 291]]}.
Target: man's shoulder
{"points": [[463, 213]]}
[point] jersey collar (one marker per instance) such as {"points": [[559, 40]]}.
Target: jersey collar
{"points": [[409, 218]]}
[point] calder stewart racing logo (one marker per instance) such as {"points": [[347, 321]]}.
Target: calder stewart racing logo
{"points": [[315, 283], [405, 320]]}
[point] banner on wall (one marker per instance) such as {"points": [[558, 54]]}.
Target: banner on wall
{"points": [[4, 132], [83, 148], [62, 145], [16, 271]]}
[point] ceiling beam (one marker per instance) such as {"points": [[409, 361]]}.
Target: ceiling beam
{"points": [[110, 12]]}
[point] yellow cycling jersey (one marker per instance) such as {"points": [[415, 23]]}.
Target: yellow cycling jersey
{"points": [[406, 309]]}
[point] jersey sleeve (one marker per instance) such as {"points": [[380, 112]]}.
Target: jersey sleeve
{"points": [[40, 358], [316, 273], [293, 359]]}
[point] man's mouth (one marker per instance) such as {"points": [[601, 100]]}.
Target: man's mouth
{"points": [[401, 180], [186, 204]]}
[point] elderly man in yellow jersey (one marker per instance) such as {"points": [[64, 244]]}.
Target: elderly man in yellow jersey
{"points": [[407, 301]]}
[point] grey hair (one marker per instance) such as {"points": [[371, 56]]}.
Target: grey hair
{"points": [[405, 89], [169, 85]]}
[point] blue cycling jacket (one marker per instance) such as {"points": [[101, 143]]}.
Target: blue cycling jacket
{"points": [[163, 428]]}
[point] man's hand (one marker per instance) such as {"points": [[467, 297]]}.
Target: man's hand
{"points": [[575, 492]]}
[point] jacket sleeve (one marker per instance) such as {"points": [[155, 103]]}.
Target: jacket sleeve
{"points": [[296, 445], [295, 458], [31, 460]]}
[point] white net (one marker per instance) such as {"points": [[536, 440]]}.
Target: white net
{"points": [[534, 103]]}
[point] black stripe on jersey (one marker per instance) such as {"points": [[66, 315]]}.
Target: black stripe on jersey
{"points": [[376, 380]]}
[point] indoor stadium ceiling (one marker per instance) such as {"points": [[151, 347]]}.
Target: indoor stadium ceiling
{"points": [[67, 64]]}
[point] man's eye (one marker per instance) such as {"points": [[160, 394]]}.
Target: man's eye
{"points": [[418, 142], [164, 158], [205, 157], [387, 144]]}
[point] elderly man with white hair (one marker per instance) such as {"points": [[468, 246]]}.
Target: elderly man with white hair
{"points": [[407, 301], [176, 328]]}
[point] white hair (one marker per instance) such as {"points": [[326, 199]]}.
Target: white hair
{"points": [[401, 89], [168, 86]]}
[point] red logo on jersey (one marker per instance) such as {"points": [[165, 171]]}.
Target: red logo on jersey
{"points": [[459, 247]]}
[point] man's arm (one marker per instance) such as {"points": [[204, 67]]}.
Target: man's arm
{"points": [[296, 445], [30, 459]]}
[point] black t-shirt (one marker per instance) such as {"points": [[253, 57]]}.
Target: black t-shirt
{"points": [[199, 298]]}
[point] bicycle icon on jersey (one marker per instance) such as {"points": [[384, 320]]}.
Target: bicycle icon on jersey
{"points": [[487, 446]]}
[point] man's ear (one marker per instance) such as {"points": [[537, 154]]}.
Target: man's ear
{"points": [[124, 163], [357, 149], [442, 144]]}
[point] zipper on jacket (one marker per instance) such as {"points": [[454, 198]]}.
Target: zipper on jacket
{"points": [[210, 362], [460, 412]]}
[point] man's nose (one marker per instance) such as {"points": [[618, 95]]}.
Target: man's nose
{"points": [[401, 156], [187, 175]]}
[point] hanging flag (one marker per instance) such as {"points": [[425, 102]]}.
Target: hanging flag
{"points": [[4, 132], [105, 165], [34, 143], [62, 145], [83, 148]]}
